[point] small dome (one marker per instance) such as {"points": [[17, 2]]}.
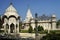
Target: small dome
{"points": [[11, 8], [53, 15], [11, 11]]}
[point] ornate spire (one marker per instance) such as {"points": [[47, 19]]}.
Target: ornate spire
{"points": [[28, 16]]}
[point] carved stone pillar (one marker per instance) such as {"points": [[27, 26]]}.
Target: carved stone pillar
{"points": [[18, 29], [15, 29], [4, 27], [9, 29], [17, 26]]}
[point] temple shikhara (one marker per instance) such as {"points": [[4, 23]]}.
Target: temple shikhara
{"points": [[11, 21]]}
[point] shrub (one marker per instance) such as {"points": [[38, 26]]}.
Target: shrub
{"points": [[51, 37], [30, 30], [40, 28]]}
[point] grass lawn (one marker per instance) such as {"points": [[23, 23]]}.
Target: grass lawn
{"points": [[42, 32], [55, 31]]}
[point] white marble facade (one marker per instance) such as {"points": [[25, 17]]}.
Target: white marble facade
{"points": [[47, 22], [11, 20]]}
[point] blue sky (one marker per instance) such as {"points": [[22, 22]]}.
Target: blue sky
{"points": [[47, 7]]}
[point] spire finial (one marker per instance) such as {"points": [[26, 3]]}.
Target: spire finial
{"points": [[10, 2]]}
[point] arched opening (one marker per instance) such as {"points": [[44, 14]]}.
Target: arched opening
{"points": [[12, 16], [12, 28], [16, 25]]}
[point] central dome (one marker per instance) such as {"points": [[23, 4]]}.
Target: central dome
{"points": [[11, 11], [11, 8]]}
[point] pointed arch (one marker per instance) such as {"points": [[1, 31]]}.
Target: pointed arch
{"points": [[12, 28]]}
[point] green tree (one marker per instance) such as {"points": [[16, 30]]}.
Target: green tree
{"points": [[58, 23], [1, 24], [30, 30], [20, 26], [40, 28]]}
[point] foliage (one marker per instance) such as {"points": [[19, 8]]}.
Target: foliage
{"points": [[40, 28], [20, 25], [58, 23], [0, 22], [51, 37], [30, 30], [55, 31]]}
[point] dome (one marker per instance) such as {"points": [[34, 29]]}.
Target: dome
{"points": [[11, 11], [53, 15], [11, 8]]}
